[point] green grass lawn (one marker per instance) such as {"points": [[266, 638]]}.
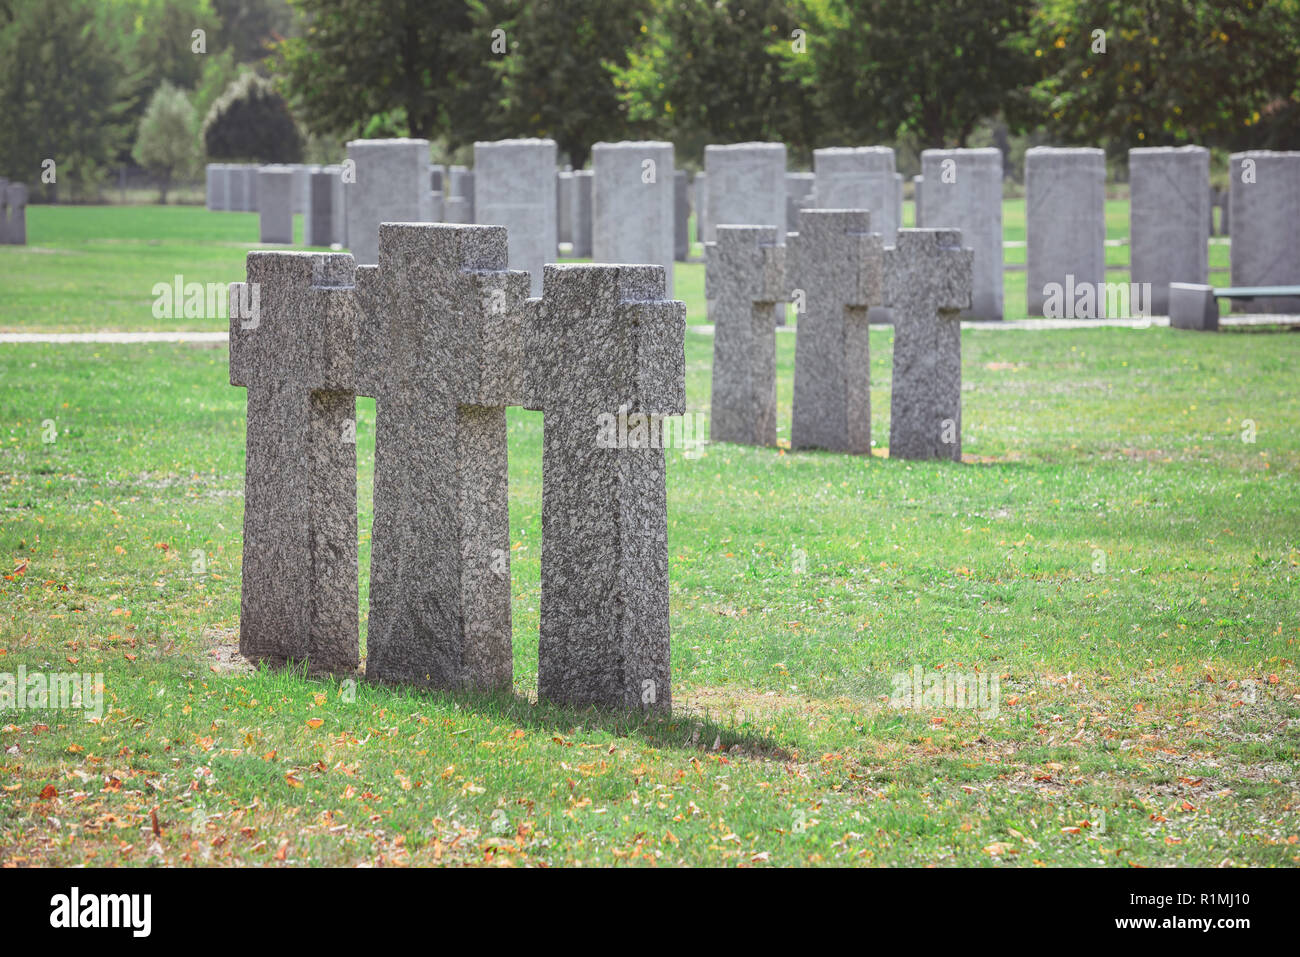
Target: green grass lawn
{"points": [[1113, 553], [89, 268]]}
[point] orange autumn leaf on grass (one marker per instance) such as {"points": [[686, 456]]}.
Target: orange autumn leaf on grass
{"points": [[314, 722]]}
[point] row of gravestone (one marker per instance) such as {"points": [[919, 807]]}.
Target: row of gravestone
{"points": [[13, 213], [838, 270], [1169, 217], [632, 207], [445, 338]]}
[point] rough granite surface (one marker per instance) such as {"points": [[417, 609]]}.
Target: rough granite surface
{"points": [[605, 341], [745, 275], [299, 585], [928, 281], [441, 346], [837, 267]]}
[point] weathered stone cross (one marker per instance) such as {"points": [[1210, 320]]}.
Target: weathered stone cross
{"points": [[441, 351], [438, 333], [605, 342], [837, 272], [744, 278], [299, 596], [928, 280]]}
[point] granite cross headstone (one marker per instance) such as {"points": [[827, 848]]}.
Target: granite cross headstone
{"points": [[293, 352], [837, 275], [606, 363], [745, 275], [928, 278], [441, 351]]}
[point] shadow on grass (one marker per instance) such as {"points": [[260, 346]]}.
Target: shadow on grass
{"points": [[685, 729]]}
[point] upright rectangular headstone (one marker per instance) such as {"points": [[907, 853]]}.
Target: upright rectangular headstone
{"points": [[223, 187], [4, 211], [859, 177], [836, 270], [918, 183], [237, 184], [745, 276], [964, 192], [514, 187], [606, 359], [321, 222], [210, 183], [462, 189], [16, 227], [898, 199], [301, 186], [275, 189], [928, 280], [438, 178], [290, 346], [1264, 199], [564, 206], [582, 189], [703, 232], [251, 197], [746, 187], [391, 186], [441, 351], [1065, 223], [340, 205], [681, 215], [798, 195], [632, 204], [1169, 215]]}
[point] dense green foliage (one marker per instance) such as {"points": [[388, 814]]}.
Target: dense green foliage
{"points": [[76, 77], [166, 144], [251, 122]]}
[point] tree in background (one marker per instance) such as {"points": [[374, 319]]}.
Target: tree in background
{"points": [[557, 72], [877, 68], [1212, 72], [220, 70], [714, 72], [248, 27], [61, 83], [416, 63], [251, 122], [167, 144]]}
